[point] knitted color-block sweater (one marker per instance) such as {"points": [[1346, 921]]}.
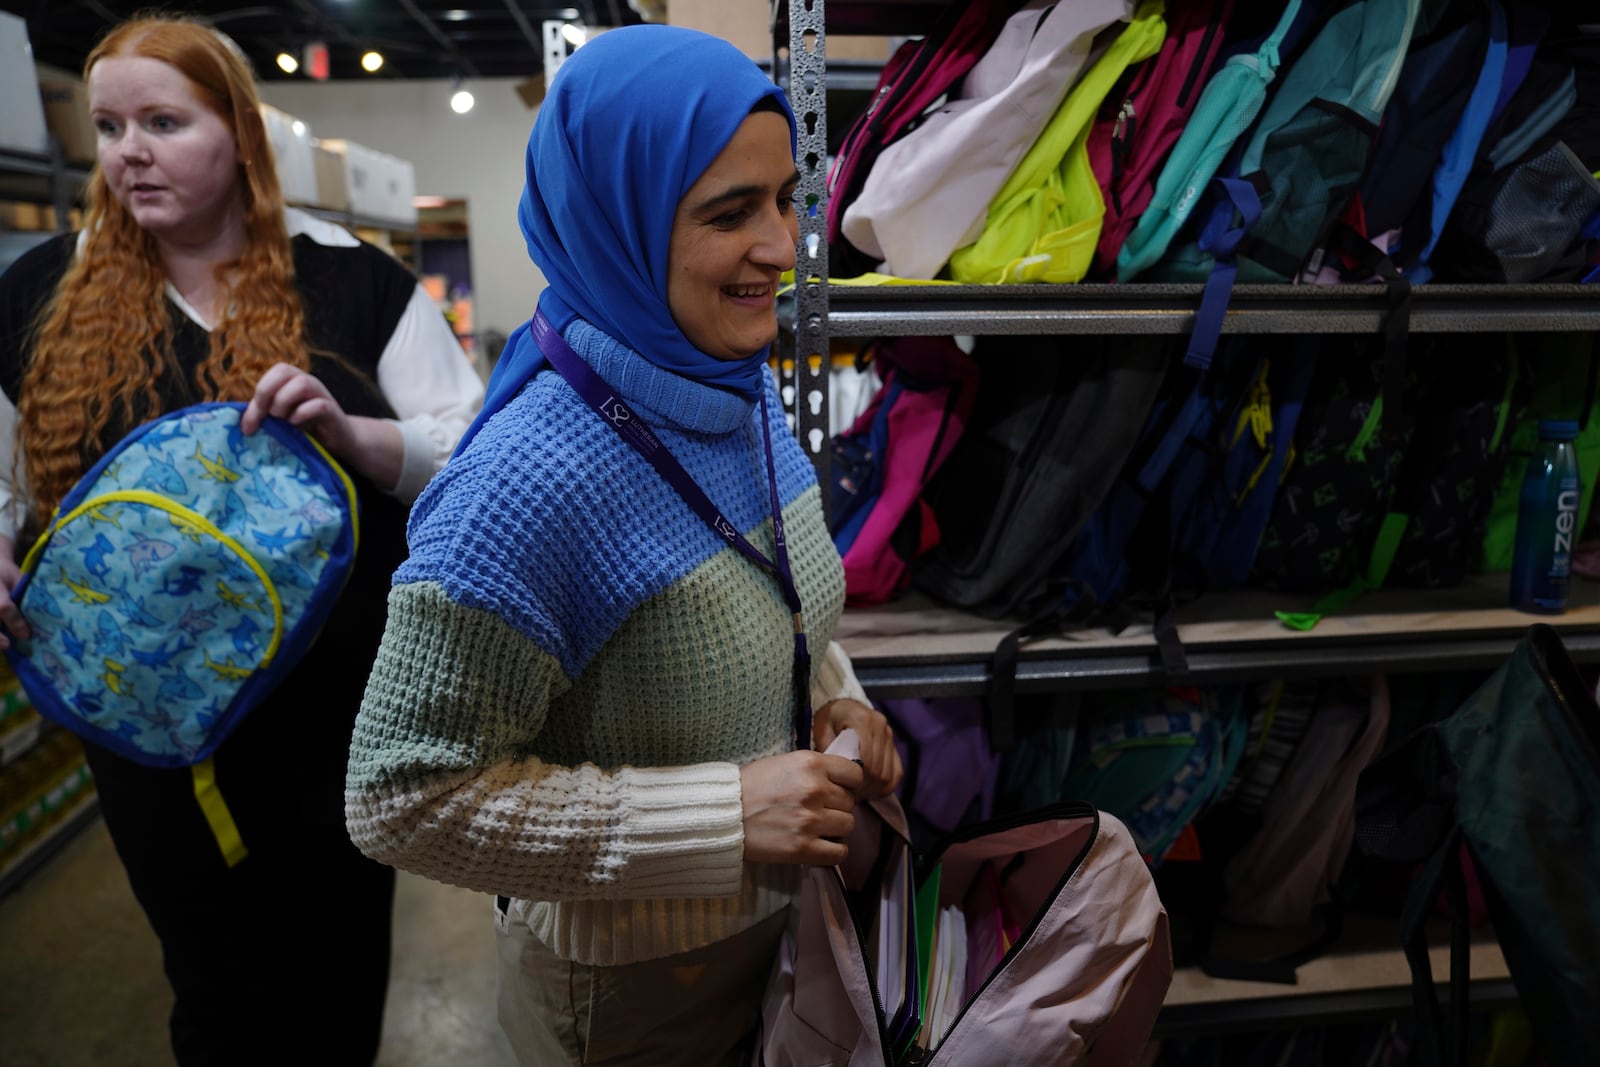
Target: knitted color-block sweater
{"points": [[575, 666]]}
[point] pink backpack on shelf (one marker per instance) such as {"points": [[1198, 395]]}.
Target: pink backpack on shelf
{"points": [[884, 460], [1067, 950], [1143, 117]]}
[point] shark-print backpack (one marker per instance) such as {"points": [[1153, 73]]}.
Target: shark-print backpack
{"points": [[180, 578]]}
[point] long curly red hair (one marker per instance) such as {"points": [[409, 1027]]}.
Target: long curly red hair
{"points": [[103, 338]]}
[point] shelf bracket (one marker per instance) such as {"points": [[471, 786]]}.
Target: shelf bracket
{"points": [[806, 374]]}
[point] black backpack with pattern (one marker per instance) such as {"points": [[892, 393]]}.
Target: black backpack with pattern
{"points": [[1374, 498]]}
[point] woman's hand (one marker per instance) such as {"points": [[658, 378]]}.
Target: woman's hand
{"points": [[879, 759], [299, 397], [10, 615], [373, 447], [798, 807]]}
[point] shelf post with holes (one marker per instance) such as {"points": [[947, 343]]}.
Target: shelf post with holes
{"points": [[807, 97]]}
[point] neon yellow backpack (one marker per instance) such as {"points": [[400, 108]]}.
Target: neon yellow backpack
{"points": [[1044, 223]]}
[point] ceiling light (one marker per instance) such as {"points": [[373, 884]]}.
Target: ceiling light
{"points": [[287, 63], [574, 34], [455, 14], [371, 62], [298, 127], [461, 102]]}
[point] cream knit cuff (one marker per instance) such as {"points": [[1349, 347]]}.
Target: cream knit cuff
{"points": [[685, 830]]}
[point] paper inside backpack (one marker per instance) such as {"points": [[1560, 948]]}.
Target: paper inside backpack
{"points": [[895, 962], [947, 977]]}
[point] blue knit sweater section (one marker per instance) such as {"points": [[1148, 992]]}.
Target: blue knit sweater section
{"points": [[554, 523]]}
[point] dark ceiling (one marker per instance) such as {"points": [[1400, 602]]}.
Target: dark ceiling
{"points": [[418, 38]]}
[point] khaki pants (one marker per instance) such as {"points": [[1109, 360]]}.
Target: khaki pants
{"points": [[697, 1009]]}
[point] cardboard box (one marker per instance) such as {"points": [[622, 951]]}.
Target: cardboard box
{"points": [[369, 184], [364, 177], [748, 25], [27, 218], [329, 165], [291, 151], [350, 189], [66, 113], [22, 125]]}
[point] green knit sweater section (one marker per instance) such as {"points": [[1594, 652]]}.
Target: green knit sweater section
{"points": [[611, 801]]}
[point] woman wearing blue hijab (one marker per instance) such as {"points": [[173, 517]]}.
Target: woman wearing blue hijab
{"points": [[594, 694]]}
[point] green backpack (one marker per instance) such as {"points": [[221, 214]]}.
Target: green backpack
{"points": [[1509, 780], [1377, 499]]}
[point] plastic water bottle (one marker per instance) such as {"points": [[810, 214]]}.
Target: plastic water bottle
{"points": [[1547, 521]]}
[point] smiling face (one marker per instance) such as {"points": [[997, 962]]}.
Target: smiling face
{"points": [[733, 235], [170, 160]]}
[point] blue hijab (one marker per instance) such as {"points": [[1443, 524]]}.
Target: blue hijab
{"points": [[632, 120]]}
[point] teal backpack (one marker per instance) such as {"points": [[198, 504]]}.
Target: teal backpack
{"points": [[1157, 759], [179, 580], [1228, 104], [1271, 207]]}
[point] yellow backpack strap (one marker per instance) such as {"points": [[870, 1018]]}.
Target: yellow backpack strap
{"points": [[218, 817]]}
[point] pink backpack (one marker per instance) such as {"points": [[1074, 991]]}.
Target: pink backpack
{"points": [[1082, 981], [884, 460], [1143, 117]]}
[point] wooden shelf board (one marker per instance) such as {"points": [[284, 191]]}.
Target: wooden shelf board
{"points": [[915, 627], [1365, 979], [1369, 960]]}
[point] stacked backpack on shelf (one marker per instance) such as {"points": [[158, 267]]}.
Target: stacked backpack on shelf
{"points": [[1117, 140], [1102, 480]]}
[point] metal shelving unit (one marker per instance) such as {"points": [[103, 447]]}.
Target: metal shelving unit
{"points": [[346, 218], [53, 840], [1366, 977], [870, 311], [924, 660], [915, 647], [920, 676], [42, 178]]}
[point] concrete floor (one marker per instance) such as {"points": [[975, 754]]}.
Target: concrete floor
{"points": [[81, 982]]}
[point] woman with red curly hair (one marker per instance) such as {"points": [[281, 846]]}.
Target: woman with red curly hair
{"points": [[190, 282]]}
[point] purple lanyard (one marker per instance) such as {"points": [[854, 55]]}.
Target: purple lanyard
{"points": [[614, 411]]}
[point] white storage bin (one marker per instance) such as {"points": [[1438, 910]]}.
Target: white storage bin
{"points": [[399, 190], [22, 116], [291, 150]]}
